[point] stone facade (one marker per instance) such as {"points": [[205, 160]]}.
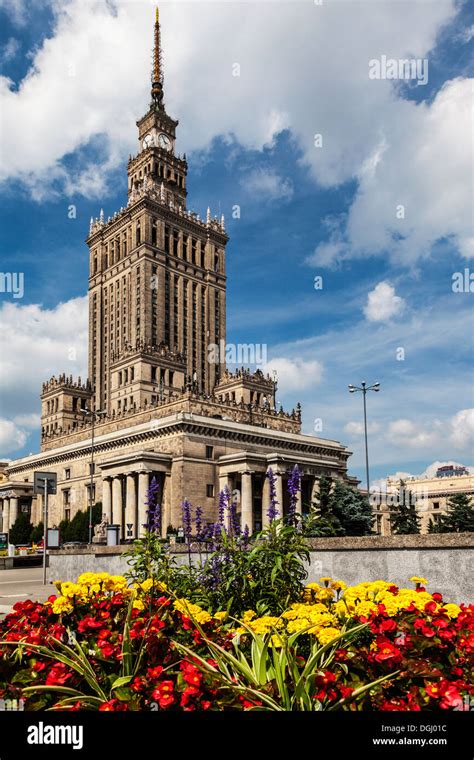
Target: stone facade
{"points": [[156, 404]]}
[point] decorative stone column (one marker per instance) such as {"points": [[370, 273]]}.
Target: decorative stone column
{"points": [[107, 499], [265, 502], [13, 510], [279, 493], [6, 514], [142, 490], [299, 500], [117, 503], [131, 507], [166, 504], [246, 501]]}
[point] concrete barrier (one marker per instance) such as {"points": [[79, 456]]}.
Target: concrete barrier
{"points": [[446, 560]]}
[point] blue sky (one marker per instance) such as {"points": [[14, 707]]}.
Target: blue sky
{"points": [[74, 78]]}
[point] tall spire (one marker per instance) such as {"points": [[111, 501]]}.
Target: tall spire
{"points": [[157, 71]]}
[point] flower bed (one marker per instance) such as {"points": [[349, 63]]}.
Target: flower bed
{"points": [[103, 645]]}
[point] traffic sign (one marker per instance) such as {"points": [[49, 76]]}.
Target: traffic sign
{"points": [[39, 480]]}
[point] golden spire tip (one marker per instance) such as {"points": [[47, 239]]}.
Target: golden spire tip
{"points": [[157, 14]]}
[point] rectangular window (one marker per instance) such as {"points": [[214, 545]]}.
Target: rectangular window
{"points": [[209, 452], [67, 473], [210, 490], [436, 505]]}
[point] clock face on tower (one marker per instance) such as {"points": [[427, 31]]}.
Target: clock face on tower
{"points": [[147, 141], [164, 141]]}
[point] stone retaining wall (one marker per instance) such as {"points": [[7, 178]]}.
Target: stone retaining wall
{"points": [[446, 560]]}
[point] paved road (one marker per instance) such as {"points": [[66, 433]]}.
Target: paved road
{"points": [[20, 584]]}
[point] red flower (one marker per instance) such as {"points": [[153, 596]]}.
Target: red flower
{"points": [[138, 684], [346, 691], [106, 648], [247, 704], [433, 690], [58, 675], [431, 607], [383, 626], [113, 705], [191, 674], [386, 650], [155, 673], [437, 597], [164, 694], [324, 679], [451, 698], [39, 666]]}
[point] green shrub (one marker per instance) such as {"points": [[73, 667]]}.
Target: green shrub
{"points": [[20, 532]]}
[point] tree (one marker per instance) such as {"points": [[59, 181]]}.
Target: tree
{"points": [[321, 520], [405, 519], [352, 509], [77, 529], [339, 510], [20, 532], [460, 514]]}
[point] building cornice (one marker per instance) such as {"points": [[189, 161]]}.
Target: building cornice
{"points": [[189, 424]]}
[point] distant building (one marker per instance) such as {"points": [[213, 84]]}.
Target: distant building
{"points": [[429, 494]]}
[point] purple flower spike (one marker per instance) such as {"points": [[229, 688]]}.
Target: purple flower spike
{"points": [[272, 511], [294, 487], [187, 520], [153, 523]]}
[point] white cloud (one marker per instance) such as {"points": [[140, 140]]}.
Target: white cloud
{"points": [[28, 420], [383, 303], [11, 437], [266, 184], [35, 344], [10, 49], [457, 431], [357, 428], [91, 77], [462, 429], [295, 374]]}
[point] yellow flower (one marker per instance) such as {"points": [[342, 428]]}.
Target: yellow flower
{"points": [[452, 610], [416, 579], [138, 604], [220, 616], [71, 590], [339, 585], [325, 580], [325, 635], [193, 611], [264, 624], [248, 616], [62, 605]]}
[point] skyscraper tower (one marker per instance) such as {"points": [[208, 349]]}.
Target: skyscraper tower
{"points": [[157, 285]]}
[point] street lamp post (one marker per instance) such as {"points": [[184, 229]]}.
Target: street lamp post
{"points": [[363, 389], [93, 414]]}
